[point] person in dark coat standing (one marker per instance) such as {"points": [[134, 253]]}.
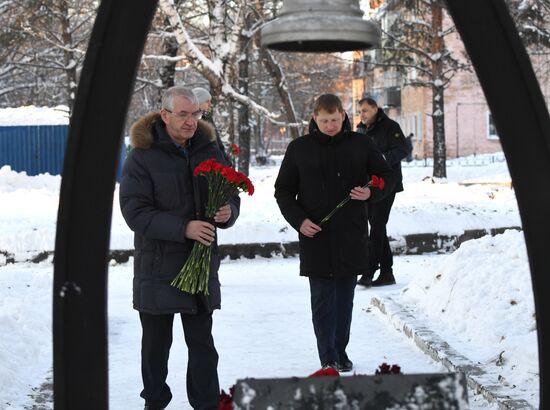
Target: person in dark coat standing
{"points": [[388, 137], [318, 171], [164, 204], [205, 104]]}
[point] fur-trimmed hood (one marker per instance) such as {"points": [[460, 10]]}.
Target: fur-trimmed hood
{"points": [[142, 134]]}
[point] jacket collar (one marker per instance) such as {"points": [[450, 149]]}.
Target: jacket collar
{"points": [[150, 130], [380, 115], [324, 138]]}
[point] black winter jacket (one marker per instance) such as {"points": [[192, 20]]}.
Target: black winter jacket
{"points": [[158, 197], [388, 137], [317, 172]]}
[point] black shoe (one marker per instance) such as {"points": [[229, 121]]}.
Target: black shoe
{"points": [[384, 279], [344, 364], [333, 365], [365, 281]]}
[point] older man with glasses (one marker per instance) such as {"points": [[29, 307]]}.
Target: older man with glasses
{"points": [[163, 203]]}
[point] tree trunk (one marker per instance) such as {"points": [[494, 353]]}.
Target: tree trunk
{"points": [[69, 58], [438, 123], [167, 72], [438, 103], [244, 114], [278, 79]]}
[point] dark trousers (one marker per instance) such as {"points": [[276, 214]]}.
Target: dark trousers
{"points": [[380, 254], [202, 368], [331, 311]]}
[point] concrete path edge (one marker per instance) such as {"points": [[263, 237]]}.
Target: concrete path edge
{"points": [[415, 244], [404, 321]]}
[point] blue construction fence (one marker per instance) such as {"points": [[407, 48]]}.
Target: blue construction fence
{"points": [[39, 149]]}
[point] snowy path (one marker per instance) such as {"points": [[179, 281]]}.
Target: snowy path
{"points": [[263, 330]]}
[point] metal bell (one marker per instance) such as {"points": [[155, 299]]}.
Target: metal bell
{"points": [[320, 26]]}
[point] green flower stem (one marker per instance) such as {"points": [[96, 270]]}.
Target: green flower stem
{"points": [[193, 276], [340, 205]]}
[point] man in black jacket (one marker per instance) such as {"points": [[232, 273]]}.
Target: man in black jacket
{"points": [[388, 137], [163, 203], [318, 171]]}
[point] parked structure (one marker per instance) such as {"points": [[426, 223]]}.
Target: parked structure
{"points": [[33, 140]]}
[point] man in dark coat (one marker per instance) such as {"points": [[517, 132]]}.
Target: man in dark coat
{"points": [[205, 104], [318, 171], [388, 137], [163, 203]]}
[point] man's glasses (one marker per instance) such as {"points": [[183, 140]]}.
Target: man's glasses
{"points": [[197, 115]]}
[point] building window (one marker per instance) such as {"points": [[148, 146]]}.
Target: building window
{"points": [[491, 129]]}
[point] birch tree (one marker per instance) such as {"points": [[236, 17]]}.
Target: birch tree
{"points": [[217, 56]]}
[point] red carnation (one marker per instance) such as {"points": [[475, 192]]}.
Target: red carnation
{"points": [[385, 368], [328, 371], [235, 150], [375, 182], [225, 402], [223, 182]]}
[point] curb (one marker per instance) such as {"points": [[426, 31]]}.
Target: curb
{"points": [[414, 244], [440, 351]]}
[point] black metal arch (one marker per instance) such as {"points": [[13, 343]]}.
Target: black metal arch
{"points": [[523, 124], [86, 201], [82, 242]]}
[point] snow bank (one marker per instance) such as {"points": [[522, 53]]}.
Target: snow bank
{"points": [[482, 297]]}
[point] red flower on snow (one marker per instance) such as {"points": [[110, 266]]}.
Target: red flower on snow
{"points": [[385, 368], [226, 399], [328, 371]]}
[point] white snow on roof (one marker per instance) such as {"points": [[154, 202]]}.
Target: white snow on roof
{"points": [[31, 115]]}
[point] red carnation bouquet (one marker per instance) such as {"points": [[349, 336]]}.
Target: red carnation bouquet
{"points": [[375, 182], [223, 182]]}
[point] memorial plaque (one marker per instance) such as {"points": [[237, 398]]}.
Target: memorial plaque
{"points": [[436, 391]]}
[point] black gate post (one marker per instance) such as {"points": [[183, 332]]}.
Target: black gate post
{"points": [[86, 200], [523, 124]]}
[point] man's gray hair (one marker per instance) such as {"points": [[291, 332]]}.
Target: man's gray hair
{"points": [[177, 91]]}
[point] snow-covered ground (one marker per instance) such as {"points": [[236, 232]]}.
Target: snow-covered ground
{"points": [[28, 208], [479, 298]]}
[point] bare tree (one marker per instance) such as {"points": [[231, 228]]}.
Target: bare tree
{"points": [[50, 39], [415, 33], [414, 38]]}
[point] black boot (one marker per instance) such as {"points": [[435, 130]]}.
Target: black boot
{"points": [[385, 278], [344, 363], [365, 281]]}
